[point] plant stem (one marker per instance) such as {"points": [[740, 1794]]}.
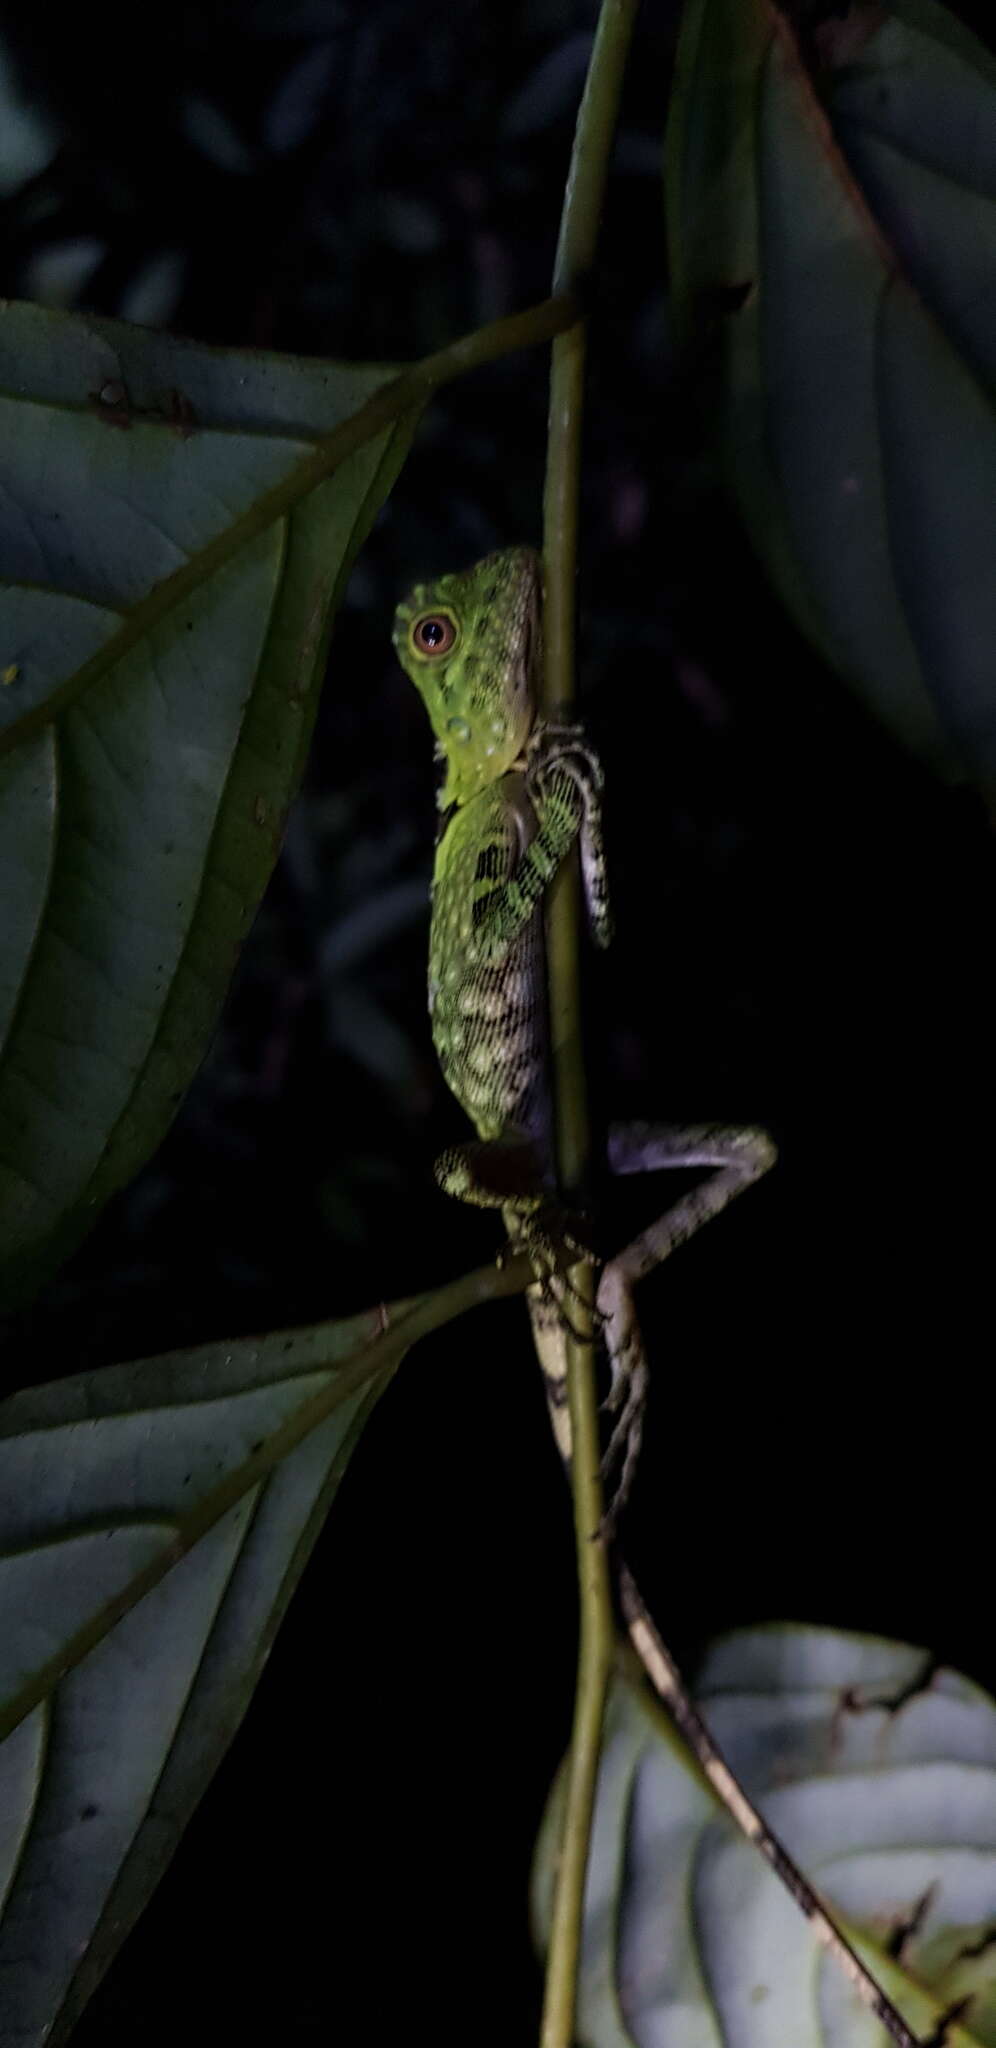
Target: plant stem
{"points": [[575, 256]]}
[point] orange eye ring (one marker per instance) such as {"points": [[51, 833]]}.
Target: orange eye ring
{"points": [[433, 633]]}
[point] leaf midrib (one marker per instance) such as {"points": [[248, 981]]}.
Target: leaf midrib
{"points": [[377, 1359], [402, 394]]}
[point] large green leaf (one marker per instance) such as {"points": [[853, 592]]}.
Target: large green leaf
{"points": [[153, 1525], [169, 565], [877, 1771], [154, 1521], [850, 234]]}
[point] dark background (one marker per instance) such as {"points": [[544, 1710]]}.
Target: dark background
{"points": [[804, 940]]}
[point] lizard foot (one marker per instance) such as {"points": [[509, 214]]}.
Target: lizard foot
{"points": [[543, 1232], [552, 746], [626, 1398], [559, 1289], [543, 1239], [623, 1449]]}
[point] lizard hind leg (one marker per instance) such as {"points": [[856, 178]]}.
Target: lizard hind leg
{"points": [[493, 1173], [738, 1155], [504, 1173], [630, 1378]]}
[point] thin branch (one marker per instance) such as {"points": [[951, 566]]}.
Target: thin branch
{"points": [[667, 1681], [575, 255]]}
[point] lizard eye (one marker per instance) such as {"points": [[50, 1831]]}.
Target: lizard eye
{"points": [[434, 633]]}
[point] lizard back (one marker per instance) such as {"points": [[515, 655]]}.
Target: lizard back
{"points": [[488, 1008]]}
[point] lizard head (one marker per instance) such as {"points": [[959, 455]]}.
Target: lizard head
{"points": [[471, 644]]}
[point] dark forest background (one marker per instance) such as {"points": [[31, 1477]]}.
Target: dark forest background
{"points": [[805, 928]]}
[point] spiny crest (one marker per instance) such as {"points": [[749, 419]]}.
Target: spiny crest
{"points": [[471, 645]]}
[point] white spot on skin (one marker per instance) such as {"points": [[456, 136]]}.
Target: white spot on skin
{"points": [[480, 1003]]}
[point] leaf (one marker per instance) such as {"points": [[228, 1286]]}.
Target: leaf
{"points": [[848, 245], [170, 554], [154, 1521], [878, 1772]]}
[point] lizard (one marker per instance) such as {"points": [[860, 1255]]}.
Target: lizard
{"points": [[518, 794]]}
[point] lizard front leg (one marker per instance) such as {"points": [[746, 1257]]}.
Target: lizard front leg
{"points": [[563, 783], [555, 752]]}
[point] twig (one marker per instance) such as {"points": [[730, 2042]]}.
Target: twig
{"points": [[575, 255], [667, 1681]]}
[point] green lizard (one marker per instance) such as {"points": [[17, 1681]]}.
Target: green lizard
{"points": [[517, 795]]}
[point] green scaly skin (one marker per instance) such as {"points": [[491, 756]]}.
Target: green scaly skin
{"points": [[516, 796]]}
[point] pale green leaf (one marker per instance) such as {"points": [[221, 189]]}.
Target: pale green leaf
{"points": [[843, 231], [154, 1520], [169, 568], [877, 1771]]}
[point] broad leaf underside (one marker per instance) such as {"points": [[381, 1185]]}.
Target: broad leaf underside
{"points": [[878, 1772], [113, 1744], [848, 225], [880, 1776], [141, 808]]}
